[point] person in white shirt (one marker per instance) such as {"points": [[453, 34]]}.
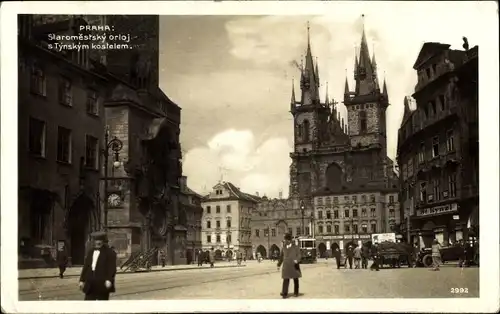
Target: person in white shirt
{"points": [[98, 273]]}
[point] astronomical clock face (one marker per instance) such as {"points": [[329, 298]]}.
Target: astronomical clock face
{"points": [[114, 200]]}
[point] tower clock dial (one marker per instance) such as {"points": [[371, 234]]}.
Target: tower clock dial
{"points": [[114, 200]]}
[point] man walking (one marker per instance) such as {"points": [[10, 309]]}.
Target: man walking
{"points": [[337, 254], [97, 279], [365, 254], [290, 259], [62, 260], [350, 254], [211, 257], [357, 257], [375, 257]]}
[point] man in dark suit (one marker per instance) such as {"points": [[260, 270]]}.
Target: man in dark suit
{"points": [[349, 252], [337, 254], [290, 259], [97, 279]]}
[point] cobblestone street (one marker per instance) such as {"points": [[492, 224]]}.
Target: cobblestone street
{"points": [[263, 281]]}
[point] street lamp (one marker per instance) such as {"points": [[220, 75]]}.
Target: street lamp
{"points": [[114, 145], [302, 211], [269, 242]]}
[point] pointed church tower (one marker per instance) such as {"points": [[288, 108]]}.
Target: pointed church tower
{"points": [[292, 100], [308, 84]]}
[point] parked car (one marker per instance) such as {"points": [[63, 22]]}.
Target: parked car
{"points": [[448, 254]]}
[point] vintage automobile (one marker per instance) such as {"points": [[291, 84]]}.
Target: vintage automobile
{"points": [[448, 254], [394, 254]]}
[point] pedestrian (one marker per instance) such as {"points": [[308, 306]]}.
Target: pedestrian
{"points": [[62, 260], [239, 257], [200, 257], [365, 254], [290, 259], [357, 257], [163, 258], [415, 253], [211, 257], [97, 279], [337, 254], [375, 257], [436, 254], [350, 254]]}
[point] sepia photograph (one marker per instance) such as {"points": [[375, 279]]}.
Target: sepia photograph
{"points": [[230, 158]]}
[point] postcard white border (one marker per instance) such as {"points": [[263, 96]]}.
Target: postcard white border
{"points": [[489, 163]]}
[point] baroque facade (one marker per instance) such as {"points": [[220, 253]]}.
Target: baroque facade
{"points": [[438, 147], [227, 212], [333, 158]]}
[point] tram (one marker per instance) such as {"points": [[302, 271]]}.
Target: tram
{"points": [[307, 246]]}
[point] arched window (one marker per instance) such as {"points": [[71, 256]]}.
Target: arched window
{"points": [[362, 122], [305, 131], [334, 177]]}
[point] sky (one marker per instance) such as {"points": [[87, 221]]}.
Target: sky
{"points": [[232, 77]]}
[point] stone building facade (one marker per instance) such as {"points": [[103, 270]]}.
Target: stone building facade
{"points": [[60, 132], [333, 158], [227, 212], [438, 152], [191, 205]]}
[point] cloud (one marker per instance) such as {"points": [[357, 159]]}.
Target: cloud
{"points": [[234, 156]]}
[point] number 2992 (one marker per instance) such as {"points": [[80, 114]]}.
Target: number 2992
{"points": [[459, 290]]}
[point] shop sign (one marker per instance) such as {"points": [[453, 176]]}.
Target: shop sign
{"points": [[437, 210]]}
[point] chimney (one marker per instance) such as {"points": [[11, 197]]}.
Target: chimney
{"points": [[183, 183], [257, 193], [281, 195]]}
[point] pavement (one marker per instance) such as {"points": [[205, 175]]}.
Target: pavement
{"points": [[46, 273], [263, 281]]}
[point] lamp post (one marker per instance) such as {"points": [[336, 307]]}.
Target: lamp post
{"points": [[114, 145], [312, 225], [269, 242], [302, 211]]}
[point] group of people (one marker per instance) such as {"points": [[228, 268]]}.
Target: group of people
{"points": [[358, 257]]}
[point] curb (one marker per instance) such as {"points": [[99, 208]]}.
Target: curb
{"points": [[135, 272]]}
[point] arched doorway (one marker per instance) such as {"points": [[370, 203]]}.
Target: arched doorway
{"points": [[80, 217], [334, 177], [322, 249], [218, 254], [262, 250], [274, 251]]}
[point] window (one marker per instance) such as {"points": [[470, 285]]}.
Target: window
{"points": [[336, 229], [308, 231], [266, 232], [228, 238], [354, 228], [209, 239], [437, 189], [363, 212], [363, 198], [374, 227], [336, 200], [364, 228], [373, 212], [336, 214], [217, 224], [346, 213], [391, 199], [257, 233], [91, 152], [228, 208], [320, 214], [435, 146], [450, 145], [354, 213], [434, 69], [320, 229], [273, 232], [347, 228], [423, 192], [320, 201], [405, 172], [217, 209], [346, 198], [297, 231], [36, 142], [362, 122], [209, 210], [421, 153], [218, 192], [63, 144], [228, 223], [410, 167], [65, 91], [38, 84], [306, 131], [328, 215], [432, 107], [354, 199], [290, 231], [217, 238], [452, 185], [209, 224], [392, 213], [441, 101], [372, 198], [328, 201], [428, 72]]}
